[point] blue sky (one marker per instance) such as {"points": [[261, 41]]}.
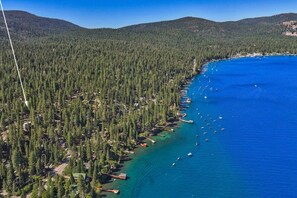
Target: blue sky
{"points": [[118, 13]]}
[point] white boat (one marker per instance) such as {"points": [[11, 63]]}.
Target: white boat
{"points": [[190, 154], [188, 100]]}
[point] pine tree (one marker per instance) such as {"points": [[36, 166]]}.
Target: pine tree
{"points": [[81, 186], [32, 165]]}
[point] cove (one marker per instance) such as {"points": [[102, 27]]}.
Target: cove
{"points": [[247, 110]]}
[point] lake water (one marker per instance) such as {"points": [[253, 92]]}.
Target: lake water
{"points": [[255, 155]]}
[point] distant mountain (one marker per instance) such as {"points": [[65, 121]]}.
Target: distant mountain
{"points": [[276, 19], [186, 23], [24, 25], [254, 26]]}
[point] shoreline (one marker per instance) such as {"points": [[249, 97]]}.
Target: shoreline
{"points": [[174, 123], [248, 55]]}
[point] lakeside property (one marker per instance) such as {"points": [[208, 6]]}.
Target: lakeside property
{"points": [[96, 94], [187, 100], [214, 164]]}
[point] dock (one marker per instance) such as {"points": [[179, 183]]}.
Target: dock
{"points": [[114, 191], [187, 121], [153, 141], [111, 191], [184, 115], [122, 176]]}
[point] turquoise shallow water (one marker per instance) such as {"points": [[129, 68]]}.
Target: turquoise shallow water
{"points": [[254, 156]]}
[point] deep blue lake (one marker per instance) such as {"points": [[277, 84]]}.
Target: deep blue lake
{"points": [[247, 109]]}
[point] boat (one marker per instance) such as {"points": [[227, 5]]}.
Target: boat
{"points": [[188, 100], [196, 144], [173, 164], [206, 140], [190, 154], [220, 117], [222, 129], [179, 158]]}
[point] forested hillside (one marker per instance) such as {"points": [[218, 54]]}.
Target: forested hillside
{"points": [[93, 94], [24, 25]]}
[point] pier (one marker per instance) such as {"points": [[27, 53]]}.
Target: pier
{"points": [[187, 121], [122, 176], [153, 141], [114, 191], [111, 191]]}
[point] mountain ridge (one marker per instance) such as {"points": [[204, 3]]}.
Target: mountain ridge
{"points": [[26, 25]]}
